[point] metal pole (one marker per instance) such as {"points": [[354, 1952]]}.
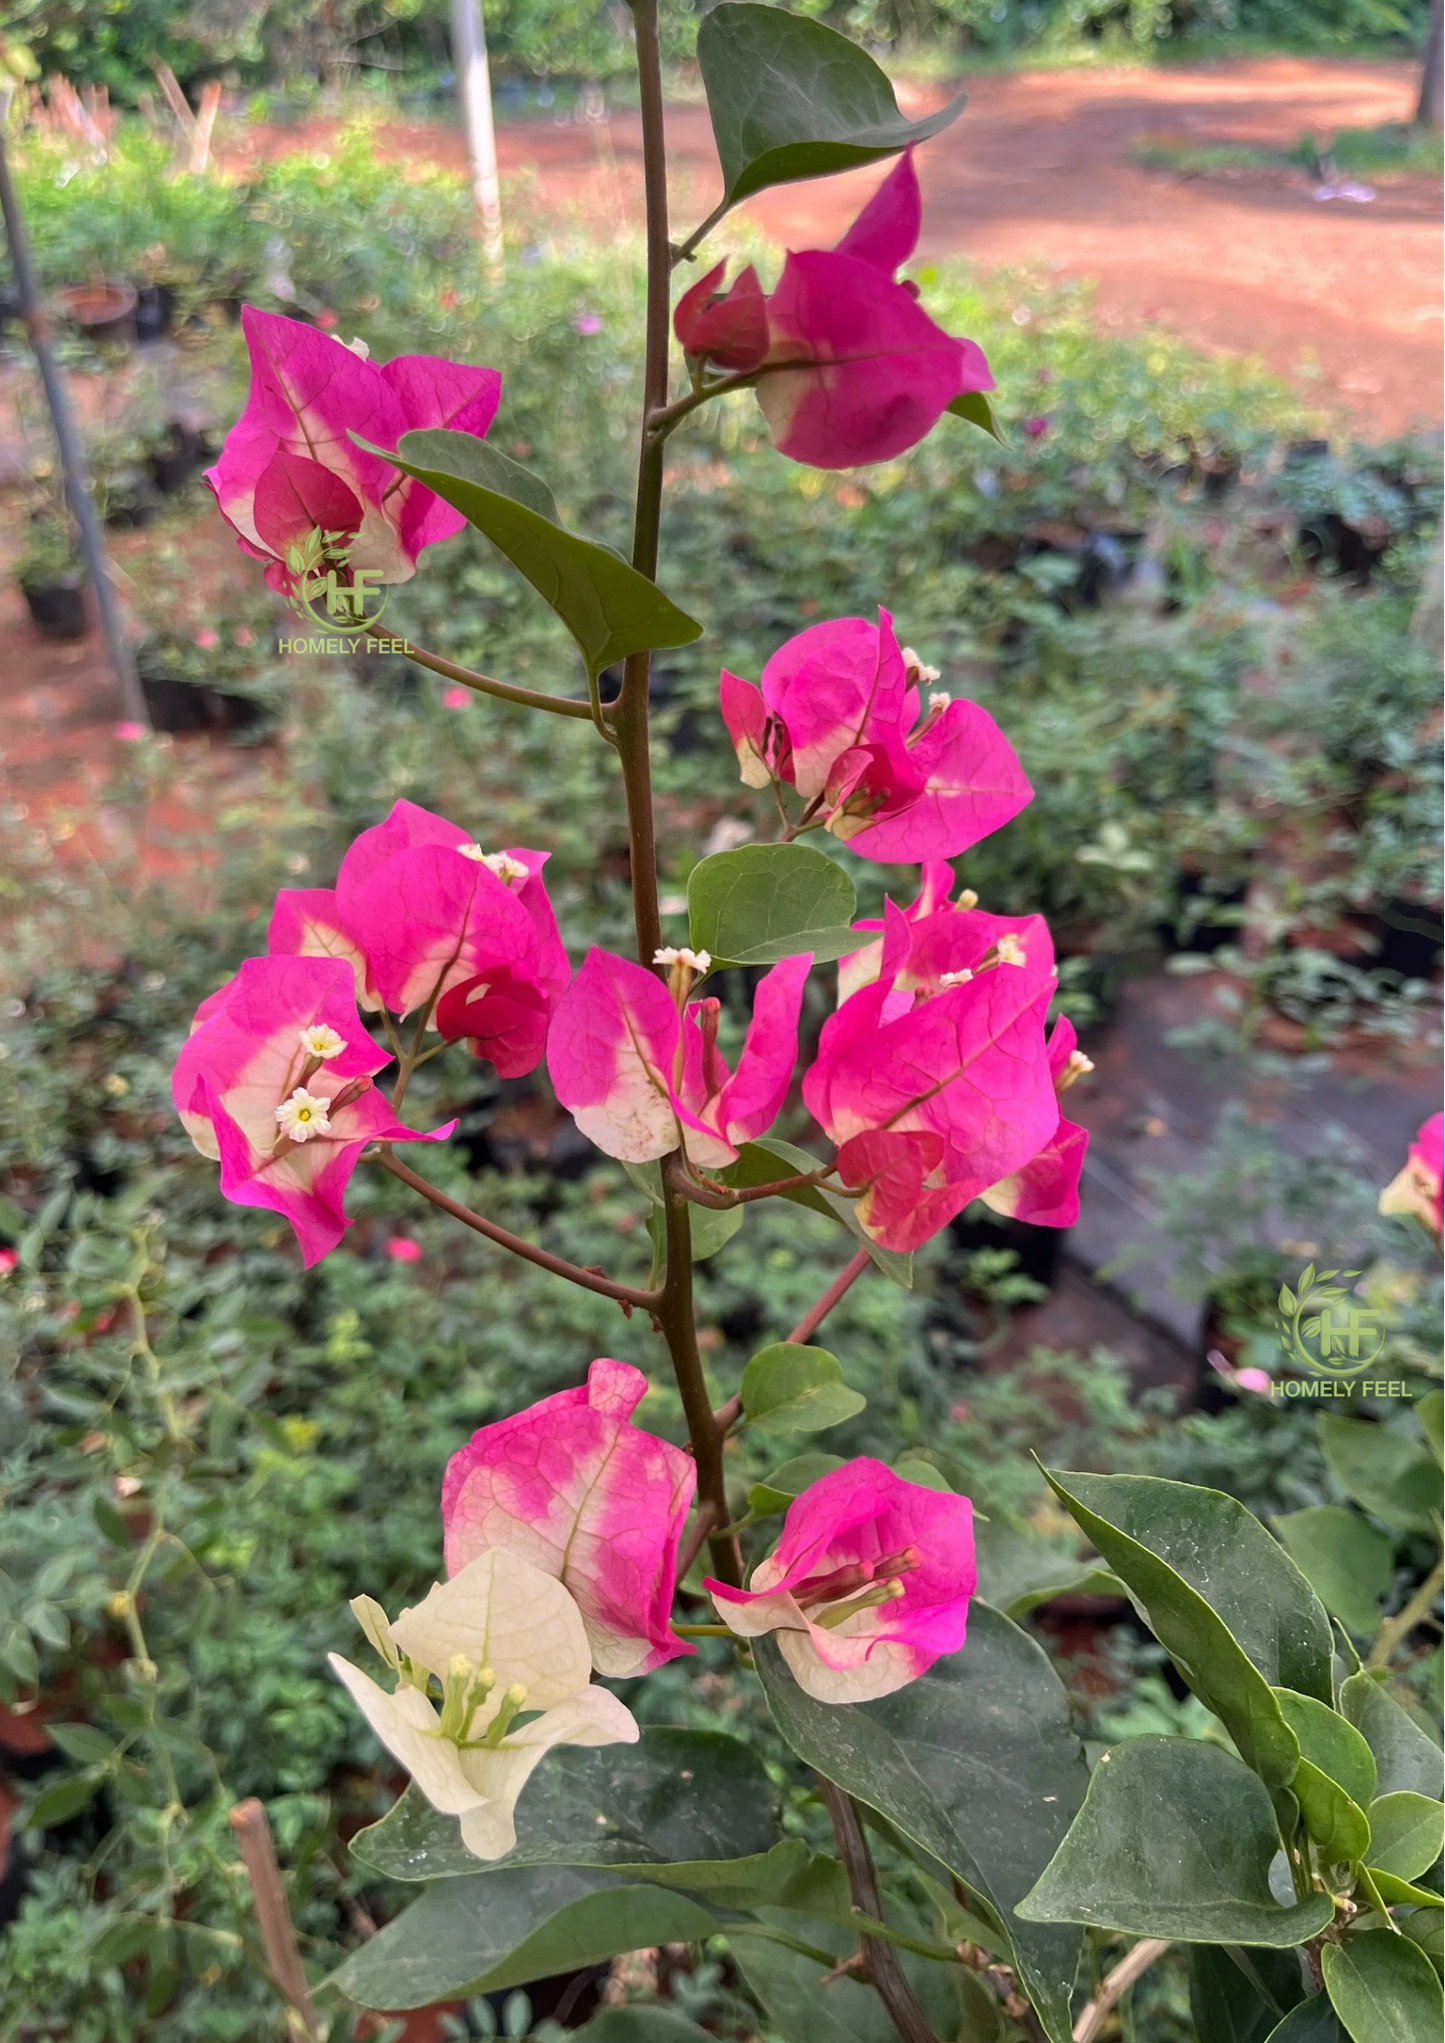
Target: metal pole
{"points": [[72, 454], [474, 85]]}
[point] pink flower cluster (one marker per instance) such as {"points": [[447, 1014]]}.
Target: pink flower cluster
{"points": [[870, 1581], [275, 1080], [850, 368], [837, 718]]}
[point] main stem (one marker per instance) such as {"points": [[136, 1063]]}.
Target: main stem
{"points": [[675, 1314], [895, 1990]]}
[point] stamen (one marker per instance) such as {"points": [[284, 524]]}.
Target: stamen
{"points": [[955, 978], [304, 1115], [1010, 950], [967, 899], [857, 1575], [914, 665], [695, 961], [870, 1599], [1078, 1066], [510, 1707], [938, 701]]}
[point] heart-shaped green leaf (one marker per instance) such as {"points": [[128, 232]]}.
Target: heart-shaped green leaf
{"points": [[1348, 1562], [1383, 1468], [977, 1762], [608, 607], [791, 99], [975, 407], [1175, 1839], [788, 1388], [1407, 1834], [1383, 1988], [1330, 1742], [1223, 1598], [777, 1491], [674, 1795], [764, 1161], [484, 1934], [764, 902]]}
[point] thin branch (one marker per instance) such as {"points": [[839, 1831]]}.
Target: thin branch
{"points": [[1116, 1985], [699, 234], [626, 1295], [504, 691], [884, 1966], [692, 1546], [278, 1934], [727, 1415], [668, 417], [1416, 1611]]}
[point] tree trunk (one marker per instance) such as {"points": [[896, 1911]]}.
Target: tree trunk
{"points": [[1430, 113]]}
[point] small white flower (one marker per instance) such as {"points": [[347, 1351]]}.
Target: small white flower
{"points": [[473, 852], [304, 1115], [322, 1042], [505, 866], [1010, 950], [358, 348], [501, 1638], [938, 700], [695, 961], [955, 978]]}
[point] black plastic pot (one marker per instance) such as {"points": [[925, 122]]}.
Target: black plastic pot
{"points": [[1412, 935], [178, 459], [175, 706], [155, 307], [57, 609], [1037, 1248], [133, 510]]}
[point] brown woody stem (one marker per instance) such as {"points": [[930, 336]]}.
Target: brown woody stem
{"points": [[626, 1295], [884, 1966]]}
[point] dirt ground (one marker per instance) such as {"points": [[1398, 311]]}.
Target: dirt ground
{"points": [[1341, 299]]}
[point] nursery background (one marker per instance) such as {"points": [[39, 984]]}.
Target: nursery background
{"points": [[1196, 579]]}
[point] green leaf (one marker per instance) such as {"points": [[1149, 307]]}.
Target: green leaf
{"points": [[123, 1940], [608, 607], [1348, 1562], [640, 2025], [1330, 1742], [1313, 2021], [1430, 1412], [60, 1803], [764, 1161], [777, 1491], [805, 2006], [792, 1389], [791, 99], [764, 902], [1425, 1927], [975, 407], [673, 1795], [1238, 1996], [1406, 1758], [1383, 1469], [1287, 1300], [1338, 1825], [484, 1934], [976, 1761], [1383, 1988], [1018, 1569], [1223, 1598], [1407, 1834], [924, 1474], [1394, 1891], [113, 1523], [1175, 1839], [710, 1228], [80, 1742]]}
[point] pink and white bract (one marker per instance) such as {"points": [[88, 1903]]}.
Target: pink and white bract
{"points": [[574, 1488], [275, 1084], [838, 718], [637, 1077], [934, 1079], [427, 918], [1420, 1187], [868, 1585], [291, 467]]}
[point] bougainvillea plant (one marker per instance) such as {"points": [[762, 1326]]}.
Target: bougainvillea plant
{"points": [[1293, 1850]]}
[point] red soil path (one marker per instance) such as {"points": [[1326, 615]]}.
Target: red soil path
{"points": [[1037, 172]]}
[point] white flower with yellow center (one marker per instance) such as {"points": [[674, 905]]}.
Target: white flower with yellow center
{"points": [[322, 1042], [507, 1646], [916, 669], [304, 1115], [695, 961], [938, 701], [1010, 950], [955, 978], [501, 863]]}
